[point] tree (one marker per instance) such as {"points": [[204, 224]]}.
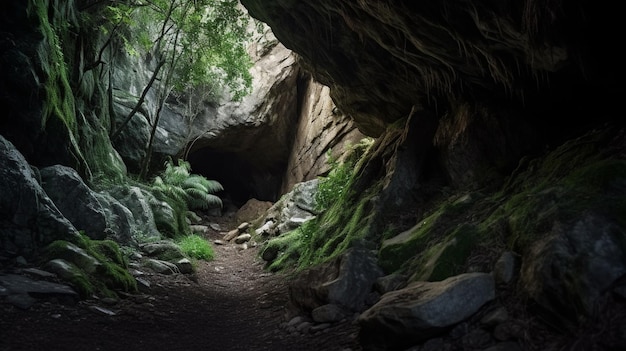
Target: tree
{"points": [[194, 44]]}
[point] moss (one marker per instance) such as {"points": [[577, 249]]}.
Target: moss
{"points": [[575, 178], [81, 282], [396, 252], [100, 267], [448, 258], [288, 248]]}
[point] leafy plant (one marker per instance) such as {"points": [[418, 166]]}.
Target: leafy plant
{"points": [[196, 247], [177, 183], [332, 187]]}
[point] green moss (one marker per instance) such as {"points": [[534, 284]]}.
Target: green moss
{"points": [[59, 100], [100, 267], [81, 282], [289, 247], [448, 257], [398, 250], [573, 179]]}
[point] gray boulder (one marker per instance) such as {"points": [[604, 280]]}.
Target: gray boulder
{"points": [[121, 223], [294, 208], [75, 200], [424, 310], [574, 265], [346, 282], [28, 218], [139, 204]]}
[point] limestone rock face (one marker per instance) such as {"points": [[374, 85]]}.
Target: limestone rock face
{"points": [[322, 128], [244, 144], [28, 218]]}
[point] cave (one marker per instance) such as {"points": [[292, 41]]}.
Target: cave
{"points": [[471, 159], [241, 179]]}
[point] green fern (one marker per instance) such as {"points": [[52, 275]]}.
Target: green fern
{"points": [[177, 183]]}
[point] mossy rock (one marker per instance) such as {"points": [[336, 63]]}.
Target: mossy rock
{"points": [[396, 251], [70, 273], [91, 266], [447, 258], [404, 247]]}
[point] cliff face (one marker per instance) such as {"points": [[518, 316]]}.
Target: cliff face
{"points": [[491, 133], [382, 59]]}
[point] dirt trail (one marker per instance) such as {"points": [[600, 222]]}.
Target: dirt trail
{"points": [[230, 303]]}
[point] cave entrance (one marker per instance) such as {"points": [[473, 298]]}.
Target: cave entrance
{"points": [[241, 179]]}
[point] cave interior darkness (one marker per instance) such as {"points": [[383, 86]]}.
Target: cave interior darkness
{"points": [[241, 178]]}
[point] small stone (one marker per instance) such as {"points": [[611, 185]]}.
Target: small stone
{"points": [[184, 266], [102, 310], [21, 261], [508, 331], [21, 301], [319, 327], [505, 268], [296, 320], [304, 327], [199, 229], [497, 316], [243, 227], [243, 238], [215, 227], [231, 235], [219, 242]]}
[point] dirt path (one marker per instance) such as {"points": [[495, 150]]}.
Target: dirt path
{"points": [[230, 303]]}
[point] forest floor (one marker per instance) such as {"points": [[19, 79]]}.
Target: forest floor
{"points": [[229, 303]]}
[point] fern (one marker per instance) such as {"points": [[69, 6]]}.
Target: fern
{"points": [[178, 183]]}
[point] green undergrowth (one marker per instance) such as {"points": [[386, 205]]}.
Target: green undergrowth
{"points": [[98, 266], [343, 218], [196, 247]]}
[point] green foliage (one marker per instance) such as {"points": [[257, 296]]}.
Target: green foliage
{"points": [[332, 187], [289, 247], [178, 184], [196, 247], [203, 42]]}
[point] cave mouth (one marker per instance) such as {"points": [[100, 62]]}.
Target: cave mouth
{"points": [[242, 180]]}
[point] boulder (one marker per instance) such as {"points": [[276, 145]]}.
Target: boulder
{"points": [[346, 281], [574, 265], [423, 310], [28, 217], [75, 200], [293, 208], [139, 204]]}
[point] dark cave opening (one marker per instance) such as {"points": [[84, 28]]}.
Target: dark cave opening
{"points": [[241, 179]]}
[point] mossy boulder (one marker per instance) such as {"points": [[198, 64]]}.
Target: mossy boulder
{"points": [[91, 266]]}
